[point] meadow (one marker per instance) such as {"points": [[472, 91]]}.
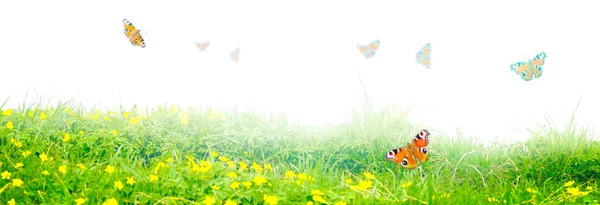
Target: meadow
{"points": [[65, 154]]}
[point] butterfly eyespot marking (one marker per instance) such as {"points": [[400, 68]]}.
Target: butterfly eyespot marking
{"points": [[424, 150], [390, 154], [422, 134], [404, 162]]}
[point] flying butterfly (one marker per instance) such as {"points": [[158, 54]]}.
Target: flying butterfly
{"points": [[530, 69], [369, 50], [413, 153], [133, 34], [235, 55], [203, 46], [423, 57]]}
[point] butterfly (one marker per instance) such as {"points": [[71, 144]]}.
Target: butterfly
{"points": [[133, 34], [203, 46], [423, 57], [235, 55], [530, 69], [369, 50], [408, 156]]}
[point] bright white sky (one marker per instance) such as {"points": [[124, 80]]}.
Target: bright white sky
{"points": [[301, 58]]}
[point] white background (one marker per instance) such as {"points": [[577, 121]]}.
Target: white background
{"points": [[300, 57]]}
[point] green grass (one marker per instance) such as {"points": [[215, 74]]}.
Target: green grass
{"points": [[332, 159]]}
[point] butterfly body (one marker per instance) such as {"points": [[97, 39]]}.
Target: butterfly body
{"points": [[423, 56], [369, 50], [530, 69], [413, 153], [133, 34]]}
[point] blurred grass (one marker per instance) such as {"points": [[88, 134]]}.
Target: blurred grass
{"points": [[181, 141]]}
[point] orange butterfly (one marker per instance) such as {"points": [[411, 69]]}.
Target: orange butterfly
{"points": [[133, 34], [408, 156]]}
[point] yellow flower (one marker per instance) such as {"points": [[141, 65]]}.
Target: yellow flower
{"points": [[80, 201], [363, 185], [134, 120], [153, 177], [302, 176], [310, 203], [130, 180], [19, 165], [173, 109], [245, 152], [81, 166], [45, 172], [243, 166], [12, 202], [223, 159], [43, 157], [316, 192], [348, 181], [318, 198], [30, 114], [215, 187], [169, 160], [17, 182], [230, 202], [530, 190], [369, 175], [570, 183], [234, 185], [214, 154], [340, 203], [115, 132], [118, 185], [268, 167], [111, 201], [256, 167], [126, 114], [247, 184], [492, 199], [62, 169], [109, 169], [67, 137], [184, 121], [271, 200], [26, 153], [406, 184], [43, 116], [7, 112], [81, 132], [231, 164], [5, 175], [9, 125], [290, 174], [232, 175], [209, 200], [259, 180]]}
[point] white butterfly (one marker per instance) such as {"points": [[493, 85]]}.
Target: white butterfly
{"points": [[203, 46], [235, 55], [369, 50]]}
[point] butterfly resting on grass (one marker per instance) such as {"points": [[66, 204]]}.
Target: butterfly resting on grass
{"points": [[133, 34], [530, 69], [369, 50], [413, 153]]}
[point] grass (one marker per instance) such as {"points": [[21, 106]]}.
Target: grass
{"points": [[173, 155]]}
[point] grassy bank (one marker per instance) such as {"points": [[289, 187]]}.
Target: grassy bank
{"points": [[174, 155]]}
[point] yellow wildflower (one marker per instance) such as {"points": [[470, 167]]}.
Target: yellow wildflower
{"points": [[316, 192], [7, 112], [43, 157], [62, 169], [134, 120], [153, 177], [81, 132], [126, 114], [302, 176], [43, 116], [169, 160], [45, 172], [268, 167], [232, 175], [5, 175], [492, 199], [369, 175], [318, 198], [290, 174], [214, 154], [256, 167], [231, 164], [184, 121], [118, 185], [19, 165], [570, 183], [215, 187], [115, 132], [67, 137], [348, 181], [109, 169], [111, 201], [9, 125], [243, 166], [209, 200], [17, 182], [230, 202], [81, 166], [340, 203], [247, 184], [406, 184], [234, 185], [130, 180], [223, 159], [245, 152], [259, 180], [271, 200], [80, 201], [11, 202], [26, 153], [30, 114], [310, 203], [363, 185], [106, 118]]}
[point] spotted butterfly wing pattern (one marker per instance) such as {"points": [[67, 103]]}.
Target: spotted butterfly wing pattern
{"points": [[423, 56], [413, 153], [235, 55], [369, 50], [530, 69], [203, 46], [133, 34]]}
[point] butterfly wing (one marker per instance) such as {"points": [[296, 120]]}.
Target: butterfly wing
{"points": [[523, 69], [423, 56], [538, 61], [133, 34], [419, 146], [402, 156], [369, 50], [235, 55], [203, 46]]}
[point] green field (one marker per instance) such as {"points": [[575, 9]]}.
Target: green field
{"points": [[175, 155]]}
